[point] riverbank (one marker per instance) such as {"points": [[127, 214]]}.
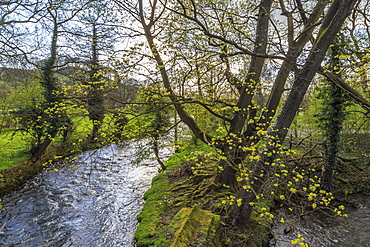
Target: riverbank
{"points": [[14, 176], [186, 207], [18, 149], [186, 200], [183, 187]]}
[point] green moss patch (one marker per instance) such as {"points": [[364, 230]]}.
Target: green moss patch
{"points": [[195, 227], [162, 202], [154, 218]]}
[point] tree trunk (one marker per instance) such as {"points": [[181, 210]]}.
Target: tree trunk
{"points": [[337, 14], [228, 174], [48, 81], [39, 150], [95, 99]]}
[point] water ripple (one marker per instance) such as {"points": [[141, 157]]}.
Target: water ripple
{"points": [[92, 204]]}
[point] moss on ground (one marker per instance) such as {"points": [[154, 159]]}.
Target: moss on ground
{"points": [[154, 218], [195, 227], [163, 200], [180, 187]]}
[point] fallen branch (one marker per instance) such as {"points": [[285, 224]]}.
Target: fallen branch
{"points": [[347, 88], [308, 157], [347, 159]]}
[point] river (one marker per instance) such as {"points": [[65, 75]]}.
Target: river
{"points": [[321, 229], [92, 202]]}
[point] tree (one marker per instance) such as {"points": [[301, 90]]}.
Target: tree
{"points": [[19, 89], [332, 114], [151, 119], [50, 117], [18, 11], [94, 53], [15, 19], [299, 49]]}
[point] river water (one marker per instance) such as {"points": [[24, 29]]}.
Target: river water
{"points": [[92, 202], [321, 229]]}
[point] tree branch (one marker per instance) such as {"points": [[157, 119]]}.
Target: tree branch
{"points": [[356, 96]]}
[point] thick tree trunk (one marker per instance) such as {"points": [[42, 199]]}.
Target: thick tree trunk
{"points": [[228, 174], [48, 81], [39, 150], [337, 14], [334, 19], [333, 116], [295, 49], [254, 73]]}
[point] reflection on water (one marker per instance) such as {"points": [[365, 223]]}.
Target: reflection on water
{"points": [[322, 230], [92, 204]]}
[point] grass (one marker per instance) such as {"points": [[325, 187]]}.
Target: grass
{"points": [[15, 167], [14, 148]]}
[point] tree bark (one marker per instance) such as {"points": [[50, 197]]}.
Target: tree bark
{"points": [[254, 73], [95, 96], [228, 174], [295, 49], [334, 19]]}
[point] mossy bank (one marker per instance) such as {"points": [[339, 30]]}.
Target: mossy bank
{"points": [[184, 207]]}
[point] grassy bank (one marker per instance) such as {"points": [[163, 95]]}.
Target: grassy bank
{"points": [[164, 201], [15, 166], [14, 149], [17, 174]]}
